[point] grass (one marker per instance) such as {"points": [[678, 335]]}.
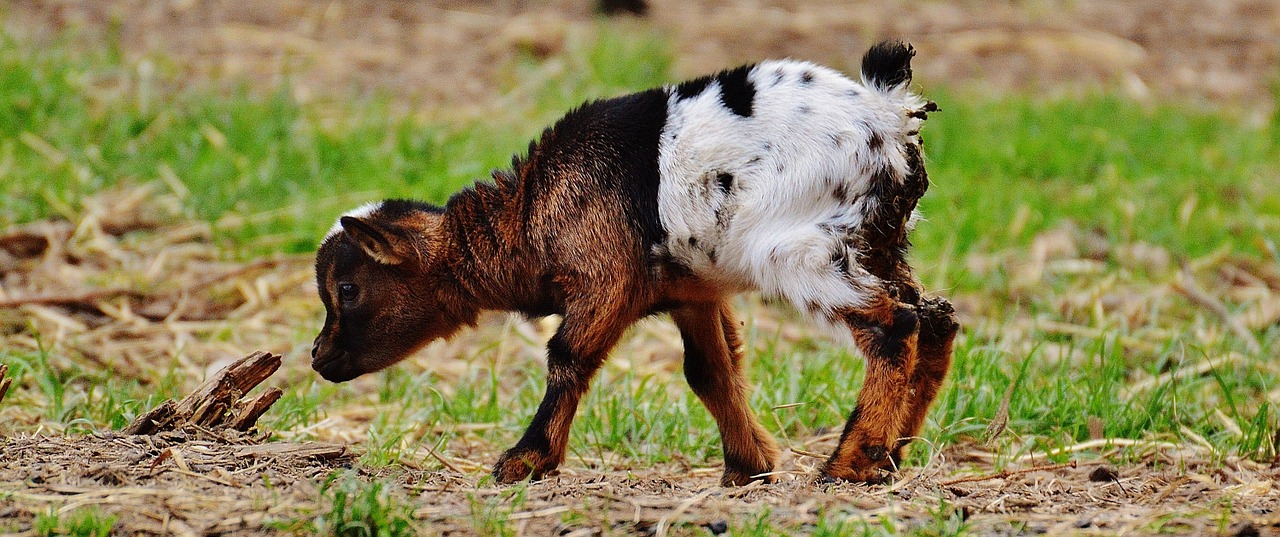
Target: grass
{"points": [[272, 174]]}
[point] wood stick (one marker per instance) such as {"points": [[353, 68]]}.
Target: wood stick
{"points": [[215, 402], [246, 413]]}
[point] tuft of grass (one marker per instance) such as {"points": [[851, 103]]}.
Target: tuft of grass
{"points": [[355, 507], [86, 522]]}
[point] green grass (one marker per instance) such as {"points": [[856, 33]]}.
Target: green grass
{"points": [[274, 173], [85, 522]]}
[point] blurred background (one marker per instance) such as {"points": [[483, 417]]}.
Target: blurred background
{"points": [[1103, 211], [459, 54]]}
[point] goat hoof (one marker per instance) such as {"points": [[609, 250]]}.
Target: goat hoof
{"points": [[738, 478], [518, 464], [873, 475]]}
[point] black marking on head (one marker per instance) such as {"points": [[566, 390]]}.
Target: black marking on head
{"points": [[887, 65], [693, 242], [725, 179], [806, 78]]}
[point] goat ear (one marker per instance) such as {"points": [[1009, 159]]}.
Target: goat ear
{"points": [[384, 245]]}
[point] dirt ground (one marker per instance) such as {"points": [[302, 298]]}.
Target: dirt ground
{"points": [[446, 55], [202, 482]]}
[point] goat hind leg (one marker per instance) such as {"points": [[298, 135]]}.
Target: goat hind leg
{"points": [[887, 333], [938, 327]]}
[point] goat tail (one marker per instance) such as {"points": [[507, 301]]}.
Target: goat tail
{"points": [[887, 65]]}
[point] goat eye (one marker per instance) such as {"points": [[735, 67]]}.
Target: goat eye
{"points": [[347, 292]]}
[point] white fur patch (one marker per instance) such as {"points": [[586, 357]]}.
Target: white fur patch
{"points": [[813, 134], [359, 212]]}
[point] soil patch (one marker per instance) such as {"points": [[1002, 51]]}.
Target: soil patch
{"points": [[198, 481]]}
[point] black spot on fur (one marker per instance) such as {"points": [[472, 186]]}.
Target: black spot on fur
{"points": [[755, 160], [779, 76], [725, 179], [736, 90], [875, 141], [887, 65], [840, 259], [711, 255], [888, 342], [693, 88], [693, 242], [805, 109], [837, 139], [841, 192], [806, 78], [767, 147], [737, 93]]}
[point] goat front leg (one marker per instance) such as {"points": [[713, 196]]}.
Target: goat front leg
{"points": [[713, 367], [886, 331], [938, 327], [574, 354]]}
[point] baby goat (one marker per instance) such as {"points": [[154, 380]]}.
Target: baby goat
{"points": [[783, 177]]}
